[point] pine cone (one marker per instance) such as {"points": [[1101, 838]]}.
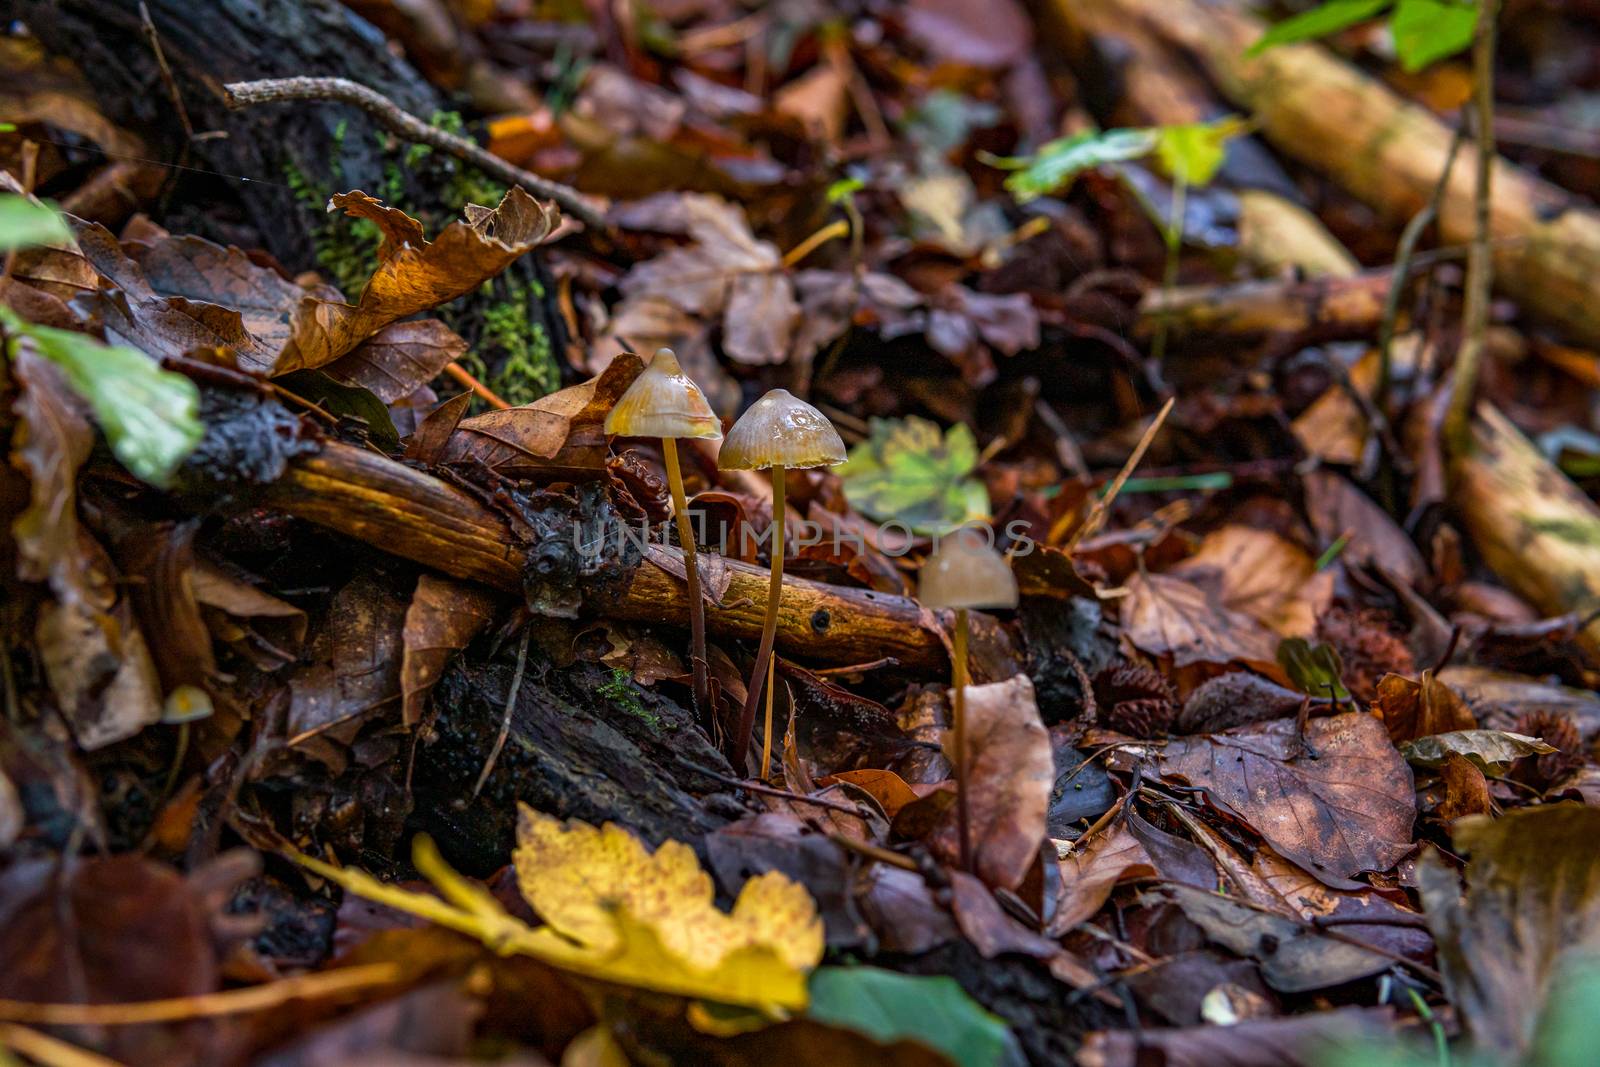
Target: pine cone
{"points": [[1559, 732], [1135, 700], [1368, 647], [1144, 719]]}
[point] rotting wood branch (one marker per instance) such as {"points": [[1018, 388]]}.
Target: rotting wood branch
{"points": [[419, 517], [401, 122]]}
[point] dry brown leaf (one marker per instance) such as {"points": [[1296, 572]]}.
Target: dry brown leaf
{"points": [[560, 433], [1531, 904], [1089, 874], [1263, 575], [726, 274], [399, 358], [1008, 784], [1345, 810], [444, 615], [1337, 507], [1169, 616], [51, 441], [414, 274], [1412, 709]]}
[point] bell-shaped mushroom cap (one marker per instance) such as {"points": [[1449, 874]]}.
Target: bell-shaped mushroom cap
{"points": [[781, 430], [663, 402], [964, 572]]}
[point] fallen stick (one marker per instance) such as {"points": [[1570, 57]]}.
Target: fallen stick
{"points": [[421, 518], [1389, 153], [407, 125], [1320, 309]]}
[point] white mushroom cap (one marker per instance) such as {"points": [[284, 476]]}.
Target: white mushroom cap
{"points": [[964, 572], [663, 402], [781, 430]]}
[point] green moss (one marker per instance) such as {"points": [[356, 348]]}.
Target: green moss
{"points": [[620, 691], [499, 321]]}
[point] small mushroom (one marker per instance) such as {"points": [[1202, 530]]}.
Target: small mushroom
{"points": [[964, 572], [663, 402], [779, 431]]}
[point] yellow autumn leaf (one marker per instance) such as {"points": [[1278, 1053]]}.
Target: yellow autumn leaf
{"points": [[576, 876], [620, 914]]}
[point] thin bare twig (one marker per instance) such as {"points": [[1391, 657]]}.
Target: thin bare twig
{"points": [[505, 721], [399, 121]]}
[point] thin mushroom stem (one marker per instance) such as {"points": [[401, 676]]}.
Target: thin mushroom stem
{"points": [[697, 607], [958, 724], [769, 632]]}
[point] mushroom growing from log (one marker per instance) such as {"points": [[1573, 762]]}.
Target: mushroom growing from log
{"points": [[964, 572], [779, 431], [664, 403]]}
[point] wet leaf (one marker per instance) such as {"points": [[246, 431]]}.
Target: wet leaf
{"points": [[726, 274], [1011, 773], [444, 615], [579, 879], [24, 222], [1488, 750], [1296, 1041], [1531, 905], [1169, 616], [149, 416], [1411, 710], [907, 471], [888, 1007], [413, 273], [1089, 874], [1345, 810], [399, 358], [52, 440]]}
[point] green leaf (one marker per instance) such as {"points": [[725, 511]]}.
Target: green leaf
{"points": [[24, 222], [336, 398], [889, 1007], [1426, 31], [1331, 17], [1489, 750], [1056, 164], [907, 471], [1314, 669], [844, 189], [150, 416], [1193, 152]]}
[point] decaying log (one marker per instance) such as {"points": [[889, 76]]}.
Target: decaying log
{"points": [[1388, 153], [421, 518], [1320, 309], [1535, 529]]}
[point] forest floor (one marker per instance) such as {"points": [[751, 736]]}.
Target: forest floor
{"points": [[351, 718]]}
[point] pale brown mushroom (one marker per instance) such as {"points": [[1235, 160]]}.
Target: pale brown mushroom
{"points": [[664, 403], [778, 432]]}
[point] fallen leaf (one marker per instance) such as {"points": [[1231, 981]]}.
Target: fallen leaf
{"points": [[444, 615], [1294, 956], [725, 274], [1531, 904], [1411, 710], [1337, 508], [399, 358], [559, 434], [1009, 778], [908, 472], [414, 274], [1263, 575], [1089, 875], [1169, 616], [576, 876], [888, 1007], [51, 441], [354, 664], [1488, 750], [780, 841], [1295, 1041], [989, 36], [1466, 791], [1347, 810]]}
